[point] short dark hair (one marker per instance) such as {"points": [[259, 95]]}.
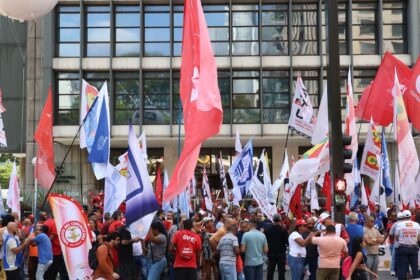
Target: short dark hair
{"points": [[253, 223], [112, 236], [116, 214], [188, 224], [330, 229]]}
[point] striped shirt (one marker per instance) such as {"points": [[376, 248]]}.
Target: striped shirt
{"points": [[226, 249]]}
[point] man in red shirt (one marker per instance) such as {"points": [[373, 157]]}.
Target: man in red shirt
{"points": [[187, 247], [58, 265]]}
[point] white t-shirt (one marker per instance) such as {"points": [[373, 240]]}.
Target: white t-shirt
{"points": [[11, 258], [137, 249], [295, 249], [407, 232]]}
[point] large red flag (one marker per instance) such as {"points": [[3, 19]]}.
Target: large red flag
{"points": [[296, 202], [326, 190], [378, 102], [412, 96], [44, 166], [201, 103], [158, 185]]}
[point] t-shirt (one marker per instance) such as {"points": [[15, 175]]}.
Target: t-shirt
{"points": [[392, 232], [43, 243], [408, 232], [372, 233], [388, 229], [137, 249], [219, 234], [158, 250], [295, 249], [186, 240], [254, 242], [226, 251], [125, 252], [353, 230], [11, 261], [52, 229], [277, 240], [330, 248]]}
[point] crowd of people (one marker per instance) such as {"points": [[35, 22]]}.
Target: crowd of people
{"points": [[233, 243], [237, 242]]}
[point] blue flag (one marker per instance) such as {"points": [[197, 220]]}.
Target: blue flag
{"points": [[354, 197], [386, 177], [241, 171], [99, 152], [141, 203]]}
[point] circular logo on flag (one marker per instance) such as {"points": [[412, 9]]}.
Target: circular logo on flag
{"points": [[73, 234]]}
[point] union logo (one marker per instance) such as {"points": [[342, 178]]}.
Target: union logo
{"points": [[73, 234], [372, 161]]}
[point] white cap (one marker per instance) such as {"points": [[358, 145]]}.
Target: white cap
{"points": [[323, 217], [406, 214], [400, 215]]}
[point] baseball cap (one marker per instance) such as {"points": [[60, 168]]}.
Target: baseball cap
{"points": [[207, 219], [323, 217], [406, 214], [276, 218], [300, 222], [400, 215]]}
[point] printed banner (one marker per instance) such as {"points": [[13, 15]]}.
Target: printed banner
{"points": [[259, 193], [369, 164]]}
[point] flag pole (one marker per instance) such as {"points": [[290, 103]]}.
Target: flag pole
{"points": [[179, 153], [284, 155], [65, 157]]}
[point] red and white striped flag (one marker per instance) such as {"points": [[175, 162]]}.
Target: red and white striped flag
{"points": [[201, 101]]}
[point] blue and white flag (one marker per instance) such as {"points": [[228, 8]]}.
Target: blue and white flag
{"points": [[355, 195], [166, 206], [99, 152], [184, 203], [141, 203], [115, 190], [386, 177], [241, 172]]}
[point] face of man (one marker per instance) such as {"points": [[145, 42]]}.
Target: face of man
{"points": [[209, 226], [115, 242], [260, 217], [244, 227], [310, 223], [169, 216], [393, 216], [328, 222]]}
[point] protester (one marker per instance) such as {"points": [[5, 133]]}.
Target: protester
{"points": [[254, 245], [331, 247], [297, 251], [372, 239], [277, 240], [407, 234], [362, 214], [44, 249], [228, 250], [12, 252], [209, 265], [358, 269], [105, 269], [353, 229], [156, 251], [187, 247], [311, 259], [58, 265], [392, 219], [5, 220], [125, 254]]}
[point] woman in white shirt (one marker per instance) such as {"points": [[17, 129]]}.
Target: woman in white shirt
{"points": [[297, 250]]}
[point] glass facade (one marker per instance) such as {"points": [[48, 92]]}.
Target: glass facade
{"points": [[251, 95]]}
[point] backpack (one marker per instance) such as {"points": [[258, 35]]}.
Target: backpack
{"points": [[93, 261], [345, 267]]}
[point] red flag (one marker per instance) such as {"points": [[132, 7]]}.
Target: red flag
{"points": [[201, 103], [158, 185], [296, 202], [412, 96], [371, 203], [326, 190], [44, 166], [378, 102]]}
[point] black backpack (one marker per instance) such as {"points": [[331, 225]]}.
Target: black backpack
{"points": [[93, 261]]}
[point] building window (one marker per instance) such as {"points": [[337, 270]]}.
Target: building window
{"points": [[304, 29], [98, 33], [224, 87], [274, 22], [178, 22], [97, 79], [156, 90], [275, 90], [127, 31], [361, 79], [246, 97], [217, 17], [394, 27], [67, 99], [68, 33], [156, 31], [364, 28], [127, 98], [245, 37], [310, 79], [342, 29]]}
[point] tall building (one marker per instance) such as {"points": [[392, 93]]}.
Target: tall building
{"points": [[260, 48]]}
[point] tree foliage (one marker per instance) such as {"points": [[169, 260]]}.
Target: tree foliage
{"points": [[6, 165]]}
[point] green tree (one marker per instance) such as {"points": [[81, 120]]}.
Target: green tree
{"points": [[6, 165]]}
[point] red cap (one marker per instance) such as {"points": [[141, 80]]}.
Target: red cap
{"points": [[300, 222]]}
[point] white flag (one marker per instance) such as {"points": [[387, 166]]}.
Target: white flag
{"points": [[365, 200], [397, 189], [3, 140], [302, 118], [377, 195], [369, 164], [115, 190], [314, 197], [206, 192], [13, 194], [321, 126], [283, 173], [238, 145], [166, 206]]}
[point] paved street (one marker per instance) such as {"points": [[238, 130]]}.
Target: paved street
{"points": [[383, 275]]}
